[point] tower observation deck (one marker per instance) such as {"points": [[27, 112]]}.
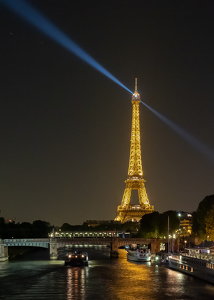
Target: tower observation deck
{"points": [[126, 211]]}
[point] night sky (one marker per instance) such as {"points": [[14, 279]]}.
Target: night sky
{"points": [[65, 128]]}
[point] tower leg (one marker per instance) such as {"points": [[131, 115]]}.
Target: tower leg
{"points": [[126, 196], [143, 198], [125, 203]]}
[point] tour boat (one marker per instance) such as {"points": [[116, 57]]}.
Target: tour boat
{"points": [[76, 258], [140, 255], [198, 262]]}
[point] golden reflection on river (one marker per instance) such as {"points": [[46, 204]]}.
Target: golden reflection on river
{"points": [[123, 280], [147, 281], [76, 282]]}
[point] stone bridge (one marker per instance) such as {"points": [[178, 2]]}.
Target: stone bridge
{"points": [[55, 243]]}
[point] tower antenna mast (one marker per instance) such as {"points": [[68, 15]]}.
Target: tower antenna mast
{"points": [[135, 85]]}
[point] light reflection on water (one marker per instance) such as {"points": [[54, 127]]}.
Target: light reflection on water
{"points": [[76, 278], [102, 279]]}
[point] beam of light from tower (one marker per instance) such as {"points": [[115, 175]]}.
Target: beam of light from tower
{"points": [[35, 18], [194, 142]]}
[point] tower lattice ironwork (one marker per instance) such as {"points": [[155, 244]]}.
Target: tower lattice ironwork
{"points": [[126, 211]]}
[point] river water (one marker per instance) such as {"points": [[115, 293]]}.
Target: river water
{"points": [[104, 278]]}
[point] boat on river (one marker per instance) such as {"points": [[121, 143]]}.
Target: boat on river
{"points": [[76, 258], [198, 262], [141, 254]]}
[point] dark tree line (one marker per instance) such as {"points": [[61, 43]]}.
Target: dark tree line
{"points": [[41, 229], [200, 217], [38, 229], [155, 225], [126, 227]]}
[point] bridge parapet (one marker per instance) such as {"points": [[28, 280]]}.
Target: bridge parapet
{"points": [[62, 242], [44, 243], [26, 240], [155, 243], [128, 241]]}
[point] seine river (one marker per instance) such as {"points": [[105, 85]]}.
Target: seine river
{"points": [[104, 278]]}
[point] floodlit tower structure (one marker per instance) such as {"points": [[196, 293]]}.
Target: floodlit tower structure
{"points": [[126, 211]]}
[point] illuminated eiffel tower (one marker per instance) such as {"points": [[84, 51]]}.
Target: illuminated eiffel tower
{"points": [[135, 181]]}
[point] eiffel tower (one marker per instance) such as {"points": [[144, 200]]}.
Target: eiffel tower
{"points": [[135, 181]]}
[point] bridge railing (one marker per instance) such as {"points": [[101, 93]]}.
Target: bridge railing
{"points": [[8, 241]]}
